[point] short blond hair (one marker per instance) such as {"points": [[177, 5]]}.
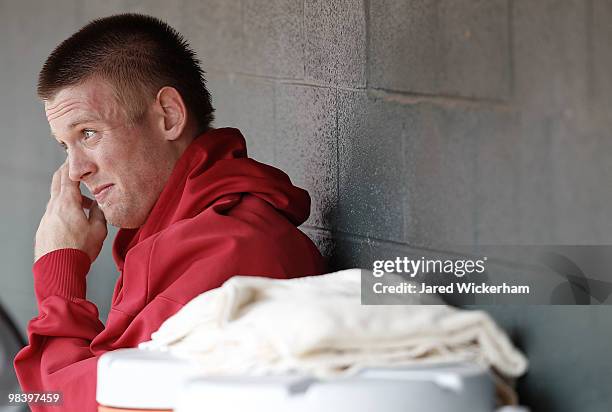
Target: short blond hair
{"points": [[137, 55]]}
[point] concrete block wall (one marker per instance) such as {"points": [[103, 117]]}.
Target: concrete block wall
{"points": [[419, 127]]}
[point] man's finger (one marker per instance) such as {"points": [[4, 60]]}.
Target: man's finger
{"points": [[68, 187], [95, 213], [86, 202], [56, 183]]}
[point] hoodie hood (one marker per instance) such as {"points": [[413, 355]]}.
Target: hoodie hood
{"points": [[215, 170]]}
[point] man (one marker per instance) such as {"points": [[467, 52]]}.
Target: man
{"points": [[126, 98]]}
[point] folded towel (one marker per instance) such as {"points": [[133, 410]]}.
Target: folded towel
{"points": [[317, 325]]}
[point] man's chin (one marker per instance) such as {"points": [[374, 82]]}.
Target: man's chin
{"points": [[124, 223], [121, 220]]}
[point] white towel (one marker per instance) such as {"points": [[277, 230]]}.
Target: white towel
{"points": [[317, 325]]}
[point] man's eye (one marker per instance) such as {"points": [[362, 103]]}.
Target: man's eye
{"points": [[87, 133]]}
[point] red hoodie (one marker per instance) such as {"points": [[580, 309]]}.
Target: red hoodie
{"points": [[220, 214]]}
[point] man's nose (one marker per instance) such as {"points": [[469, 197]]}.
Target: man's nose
{"points": [[79, 166]]}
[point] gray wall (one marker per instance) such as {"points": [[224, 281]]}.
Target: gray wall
{"points": [[419, 127]]}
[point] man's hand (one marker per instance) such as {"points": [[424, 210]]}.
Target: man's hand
{"points": [[65, 224]]}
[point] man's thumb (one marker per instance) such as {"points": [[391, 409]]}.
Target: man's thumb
{"points": [[96, 214]]}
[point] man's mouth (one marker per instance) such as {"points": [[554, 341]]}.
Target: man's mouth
{"points": [[101, 192]]}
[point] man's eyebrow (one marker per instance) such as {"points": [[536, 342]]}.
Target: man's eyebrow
{"points": [[75, 124], [82, 120]]}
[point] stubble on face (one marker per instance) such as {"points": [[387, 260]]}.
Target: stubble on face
{"points": [[142, 179]]}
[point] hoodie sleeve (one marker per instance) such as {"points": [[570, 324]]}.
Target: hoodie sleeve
{"points": [[58, 356]]}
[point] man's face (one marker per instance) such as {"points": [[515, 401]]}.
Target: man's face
{"points": [[125, 167]]}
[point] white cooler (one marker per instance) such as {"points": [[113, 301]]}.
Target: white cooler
{"points": [[135, 379]]}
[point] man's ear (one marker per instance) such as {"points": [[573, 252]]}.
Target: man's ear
{"points": [[172, 112]]}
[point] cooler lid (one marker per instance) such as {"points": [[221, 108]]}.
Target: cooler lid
{"points": [[431, 388], [142, 379]]}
